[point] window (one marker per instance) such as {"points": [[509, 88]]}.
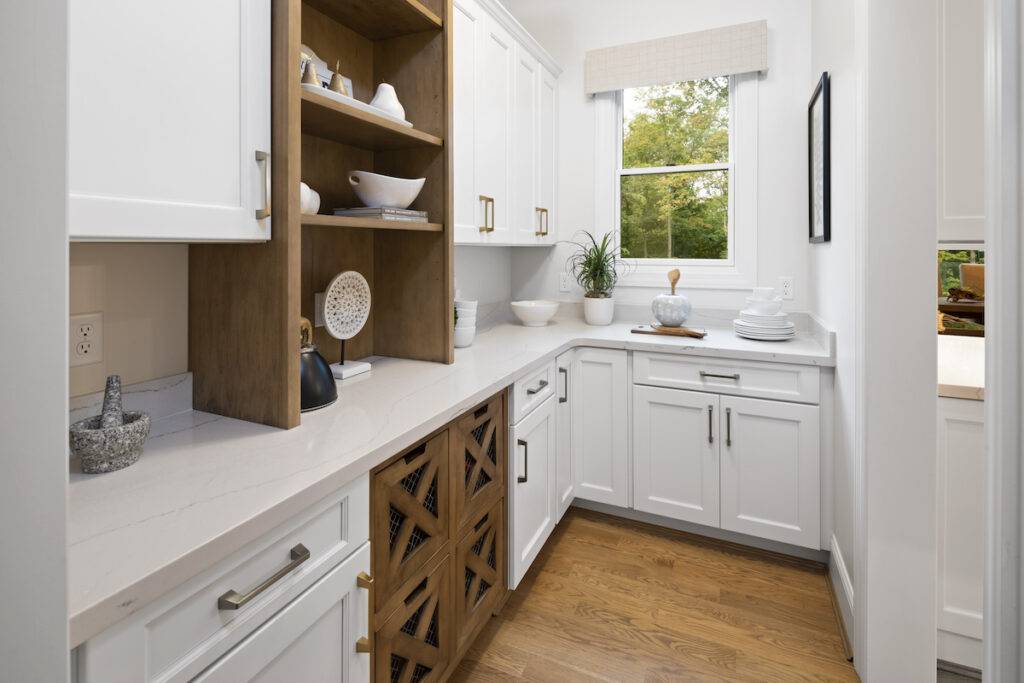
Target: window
{"points": [[675, 171]]}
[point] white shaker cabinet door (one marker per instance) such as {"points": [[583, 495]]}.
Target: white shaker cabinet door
{"points": [[564, 484], [169, 120], [525, 138], [496, 55], [531, 483], [769, 469], [599, 426], [312, 639], [547, 168], [675, 453], [467, 28]]}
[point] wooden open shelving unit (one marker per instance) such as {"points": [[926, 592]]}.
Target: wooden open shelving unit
{"points": [[245, 300]]}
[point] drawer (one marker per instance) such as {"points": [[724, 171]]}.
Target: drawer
{"points": [[780, 381], [175, 637], [478, 444], [480, 573], [410, 515], [415, 642], [530, 391]]}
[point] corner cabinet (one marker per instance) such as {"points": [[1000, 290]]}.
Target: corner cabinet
{"points": [[169, 139], [505, 130]]}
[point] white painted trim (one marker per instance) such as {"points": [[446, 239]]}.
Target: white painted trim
{"points": [[512, 25], [841, 583]]}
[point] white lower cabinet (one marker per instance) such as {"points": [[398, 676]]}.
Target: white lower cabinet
{"points": [[564, 484], [961, 530], [312, 639], [770, 486], [675, 454], [531, 483], [600, 414]]}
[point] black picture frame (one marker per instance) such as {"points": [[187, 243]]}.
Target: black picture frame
{"points": [[819, 164]]}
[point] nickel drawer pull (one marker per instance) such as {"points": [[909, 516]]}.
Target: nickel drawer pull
{"points": [[734, 377], [711, 412], [531, 392], [564, 372], [232, 600], [728, 426], [526, 461]]}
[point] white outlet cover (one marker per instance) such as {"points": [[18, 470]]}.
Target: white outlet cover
{"points": [[85, 339], [564, 282]]}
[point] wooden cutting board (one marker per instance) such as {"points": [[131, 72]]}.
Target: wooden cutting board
{"points": [[670, 331]]}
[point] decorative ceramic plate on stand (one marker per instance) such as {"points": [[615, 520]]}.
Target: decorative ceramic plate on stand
{"points": [[346, 308]]}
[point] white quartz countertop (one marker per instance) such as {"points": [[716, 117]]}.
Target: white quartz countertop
{"points": [[207, 485], [961, 367]]}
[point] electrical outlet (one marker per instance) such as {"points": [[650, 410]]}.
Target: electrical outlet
{"points": [[786, 286], [85, 339], [318, 309], [564, 282]]}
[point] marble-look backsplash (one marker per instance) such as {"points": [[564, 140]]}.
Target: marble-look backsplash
{"points": [[161, 398]]}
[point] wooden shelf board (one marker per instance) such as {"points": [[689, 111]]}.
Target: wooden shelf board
{"points": [[327, 118], [379, 19], [371, 223]]}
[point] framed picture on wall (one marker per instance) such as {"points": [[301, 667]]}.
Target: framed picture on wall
{"points": [[819, 181]]}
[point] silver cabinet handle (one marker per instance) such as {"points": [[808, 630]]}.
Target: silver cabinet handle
{"points": [[564, 373], [526, 461], [531, 392], [265, 158], [232, 600], [728, 426], [711, 412], [735, 377]]}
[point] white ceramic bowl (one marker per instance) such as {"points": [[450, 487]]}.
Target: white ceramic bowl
{"points": [[464, 336], [764, 306], [763, 293], [377, 190], [534, 313], [463, 305], [465, 321]]}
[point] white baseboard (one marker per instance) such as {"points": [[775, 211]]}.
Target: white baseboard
{"points": [[841, 583]]}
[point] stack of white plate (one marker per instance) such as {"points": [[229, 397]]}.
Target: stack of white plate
{"points": [[763, 320]]}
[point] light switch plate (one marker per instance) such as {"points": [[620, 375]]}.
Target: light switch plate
{"points": [[85, 339]]}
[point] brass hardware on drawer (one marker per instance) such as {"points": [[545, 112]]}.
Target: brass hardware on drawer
{"points": [[711, 412], [364, 580], [564, 373], [488, 201], [265, 158], [232, 600], [728, 426], [526, 461], [542, 222], [531, 392], [734, 377], [363, 645]]}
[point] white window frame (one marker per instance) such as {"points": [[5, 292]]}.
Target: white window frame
{"points": [[739, 271]]}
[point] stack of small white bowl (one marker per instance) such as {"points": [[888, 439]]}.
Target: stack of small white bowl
{"points": [[465, 325], [763, 318]]}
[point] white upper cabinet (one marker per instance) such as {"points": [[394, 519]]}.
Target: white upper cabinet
{"points": [[169, 120], [961, 143], [505, 129], [600, 413]]}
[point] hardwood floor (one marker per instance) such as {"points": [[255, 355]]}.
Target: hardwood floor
{"points": [[610, 599]]}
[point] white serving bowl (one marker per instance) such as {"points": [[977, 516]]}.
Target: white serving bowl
{"points": [[534, 313], [764, 306], [463, 305], [377, 190], [763, 293], [464, 336]]}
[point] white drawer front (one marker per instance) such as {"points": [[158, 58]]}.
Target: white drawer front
{"points": [[780, 381], [530, 391], [180, 634]]}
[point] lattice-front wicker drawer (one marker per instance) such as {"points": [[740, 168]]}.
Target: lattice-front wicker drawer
{"points": [[478, 444], [480, 576]]}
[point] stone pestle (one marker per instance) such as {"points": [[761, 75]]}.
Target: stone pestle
{"points": [[113, 415]]}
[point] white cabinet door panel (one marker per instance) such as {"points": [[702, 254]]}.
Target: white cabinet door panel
{"points": [[524, 149], [547, 168], [599, 432], [494, 129], [531, 482], [564, 485], [769, 470], [168, 105], [675, 454], [467, 22]]}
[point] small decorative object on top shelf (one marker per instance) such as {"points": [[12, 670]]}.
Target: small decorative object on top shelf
{"points": [[819, 173], [337, 83], [534, 313], [346, 308], [386, 100], [316, 384], [309, 199], [465, 322], [112, 440], [763, 320], [595, 267], [673, 309], [309, 74], [377, 190]]}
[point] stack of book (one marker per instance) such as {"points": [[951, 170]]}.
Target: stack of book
{"points": [[384, 213]]}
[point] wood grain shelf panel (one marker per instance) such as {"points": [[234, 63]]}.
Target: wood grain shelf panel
{"points": [[324, 220], [327, 118], [379, 19]]}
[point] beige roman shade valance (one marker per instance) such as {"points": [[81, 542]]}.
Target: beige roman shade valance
{"points": [[703, 54]]}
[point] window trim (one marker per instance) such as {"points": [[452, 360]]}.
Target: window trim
{"points": [[740, 270]]}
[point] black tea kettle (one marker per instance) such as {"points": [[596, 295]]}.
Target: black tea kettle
{"points": [[317, 386]]}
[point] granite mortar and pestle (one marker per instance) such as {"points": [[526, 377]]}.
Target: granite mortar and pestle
{"points": [[112, 440]]}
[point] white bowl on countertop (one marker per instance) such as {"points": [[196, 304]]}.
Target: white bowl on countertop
{"points": [[464, 336], [535, 313], [764, 306], [376, 190]]}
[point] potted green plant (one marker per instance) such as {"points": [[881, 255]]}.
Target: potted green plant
{"points": [[595, 265]]}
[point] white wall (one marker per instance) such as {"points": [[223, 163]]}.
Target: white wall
{"points": [[832, 271], [484, 274], [568, 28], [33, 374]]}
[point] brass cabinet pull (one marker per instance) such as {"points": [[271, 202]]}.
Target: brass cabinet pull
{"points": [[531, 392], [539, 232], [526, 461], [711, 412], [735, 377], [728, 426], [364, 580], [232, 600], [488, 201], [265, 158], [547, 221], [564, 373], [363, 645]]}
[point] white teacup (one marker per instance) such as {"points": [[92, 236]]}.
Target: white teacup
{"points": [[763, 293]]}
